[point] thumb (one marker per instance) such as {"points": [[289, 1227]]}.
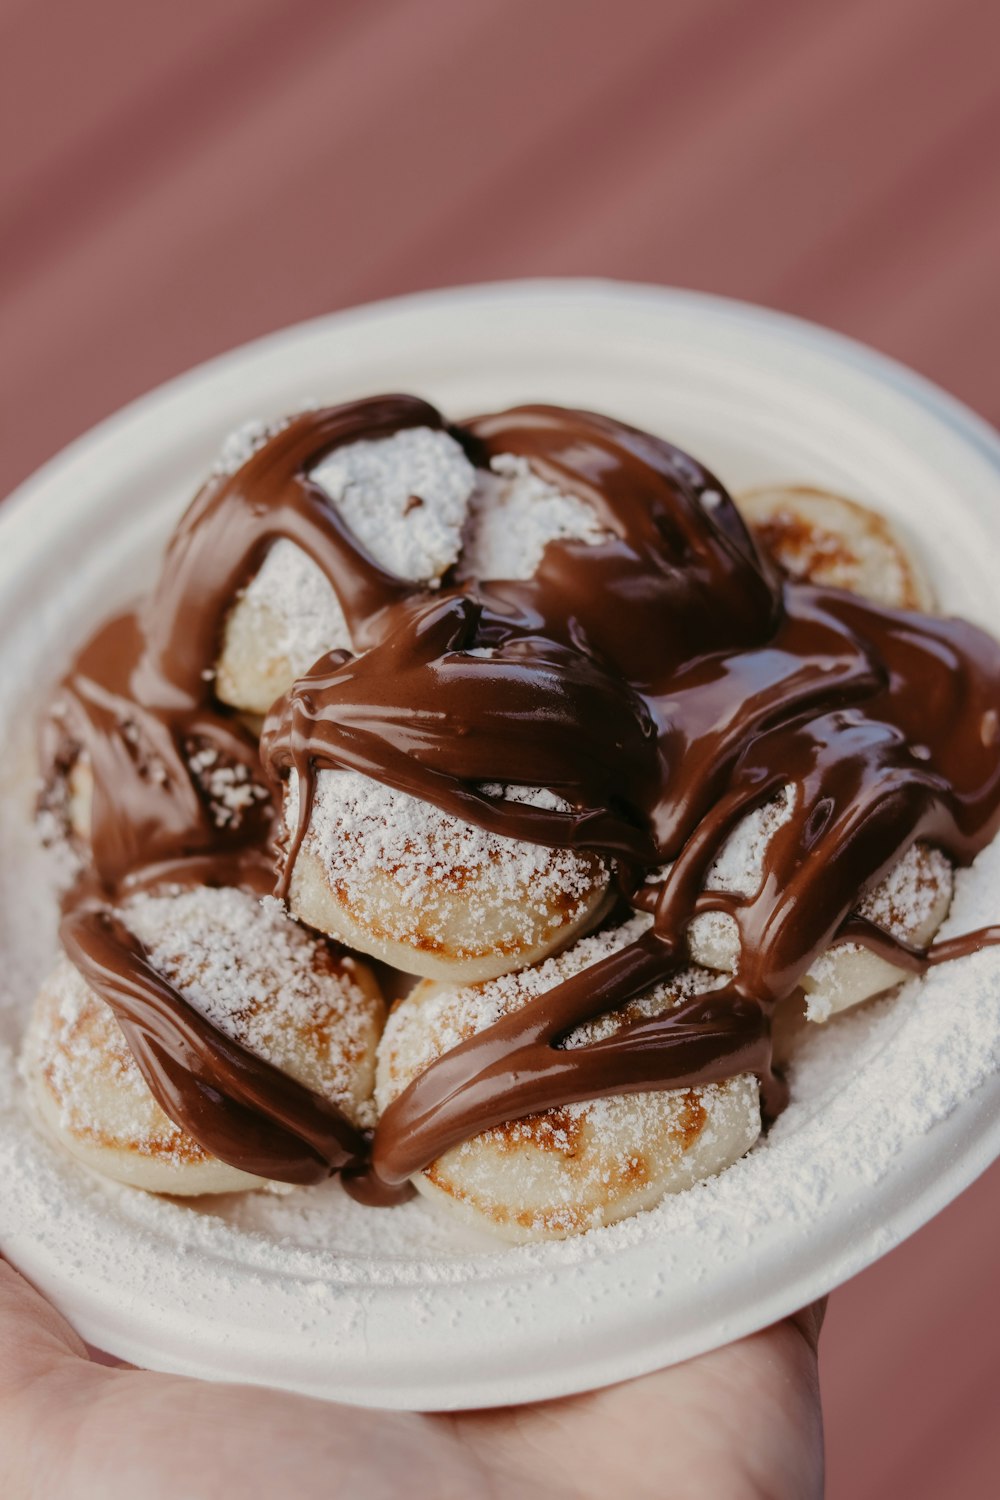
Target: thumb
{"points": [[809, 1321], [41, 1364], [34, 1338]]}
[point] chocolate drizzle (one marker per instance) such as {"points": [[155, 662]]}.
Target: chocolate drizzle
{"points": [[205, 1082], [665, 682], [138, 705]]}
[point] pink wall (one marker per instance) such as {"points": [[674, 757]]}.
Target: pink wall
{"points": [[176, 179]]}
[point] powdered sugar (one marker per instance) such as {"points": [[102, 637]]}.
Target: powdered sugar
{"points": [[739, 865], [453, 1013], [80, 1067], [260, 978], [905, 899], [229, 787], [910, 904], [414, 501], [713, 937], [297, 615], [247, 439], [529, 796], [241, 445], [403, 865], [404, 497], [449, 1015], [907, 903], [514, 517]]}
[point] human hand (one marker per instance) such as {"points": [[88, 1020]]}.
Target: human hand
{"points": [[736, 1424]]}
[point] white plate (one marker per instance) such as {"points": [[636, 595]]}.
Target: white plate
{"points": [[896, 1108]]}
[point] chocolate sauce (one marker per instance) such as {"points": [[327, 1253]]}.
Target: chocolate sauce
{"points": [[138, 704], [665, 682], [214, 1089]]}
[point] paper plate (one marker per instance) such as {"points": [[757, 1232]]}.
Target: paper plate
{"points": [[895, 1107]]}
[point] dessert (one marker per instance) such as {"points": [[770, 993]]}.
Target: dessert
{"points": [[261, 981], [547, 724], [592, 1161], [428, 892], [826, 539]]}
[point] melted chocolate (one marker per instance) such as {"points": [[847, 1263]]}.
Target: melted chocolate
{"points": [[664, 682], [138, 704], [209, 1085]]}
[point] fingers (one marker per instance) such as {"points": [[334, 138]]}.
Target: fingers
{"points": [[34, 1338], [43, 1372], [809, 1321]]}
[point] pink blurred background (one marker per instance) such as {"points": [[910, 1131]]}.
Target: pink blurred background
{"points": [[178, 179]]}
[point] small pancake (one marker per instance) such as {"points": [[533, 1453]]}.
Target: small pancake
{"points": [[397, 878], [91, 1097], [405, 498], [822, 538], [818, 537], [582, 1165], [910, 903], [259, 977], [231, 792]]}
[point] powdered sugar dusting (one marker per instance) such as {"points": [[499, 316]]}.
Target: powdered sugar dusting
{"points": [[229, 787], [418, 506], [404, 497], [909, 903], [247, 439], [739, 865], [515, 516], [529, 796], [448, 1015], [903, 903], [298, 616], [905, 899], [452, 1014], [402, 863], [262, 980], [713, 937], [79, 1056]]}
